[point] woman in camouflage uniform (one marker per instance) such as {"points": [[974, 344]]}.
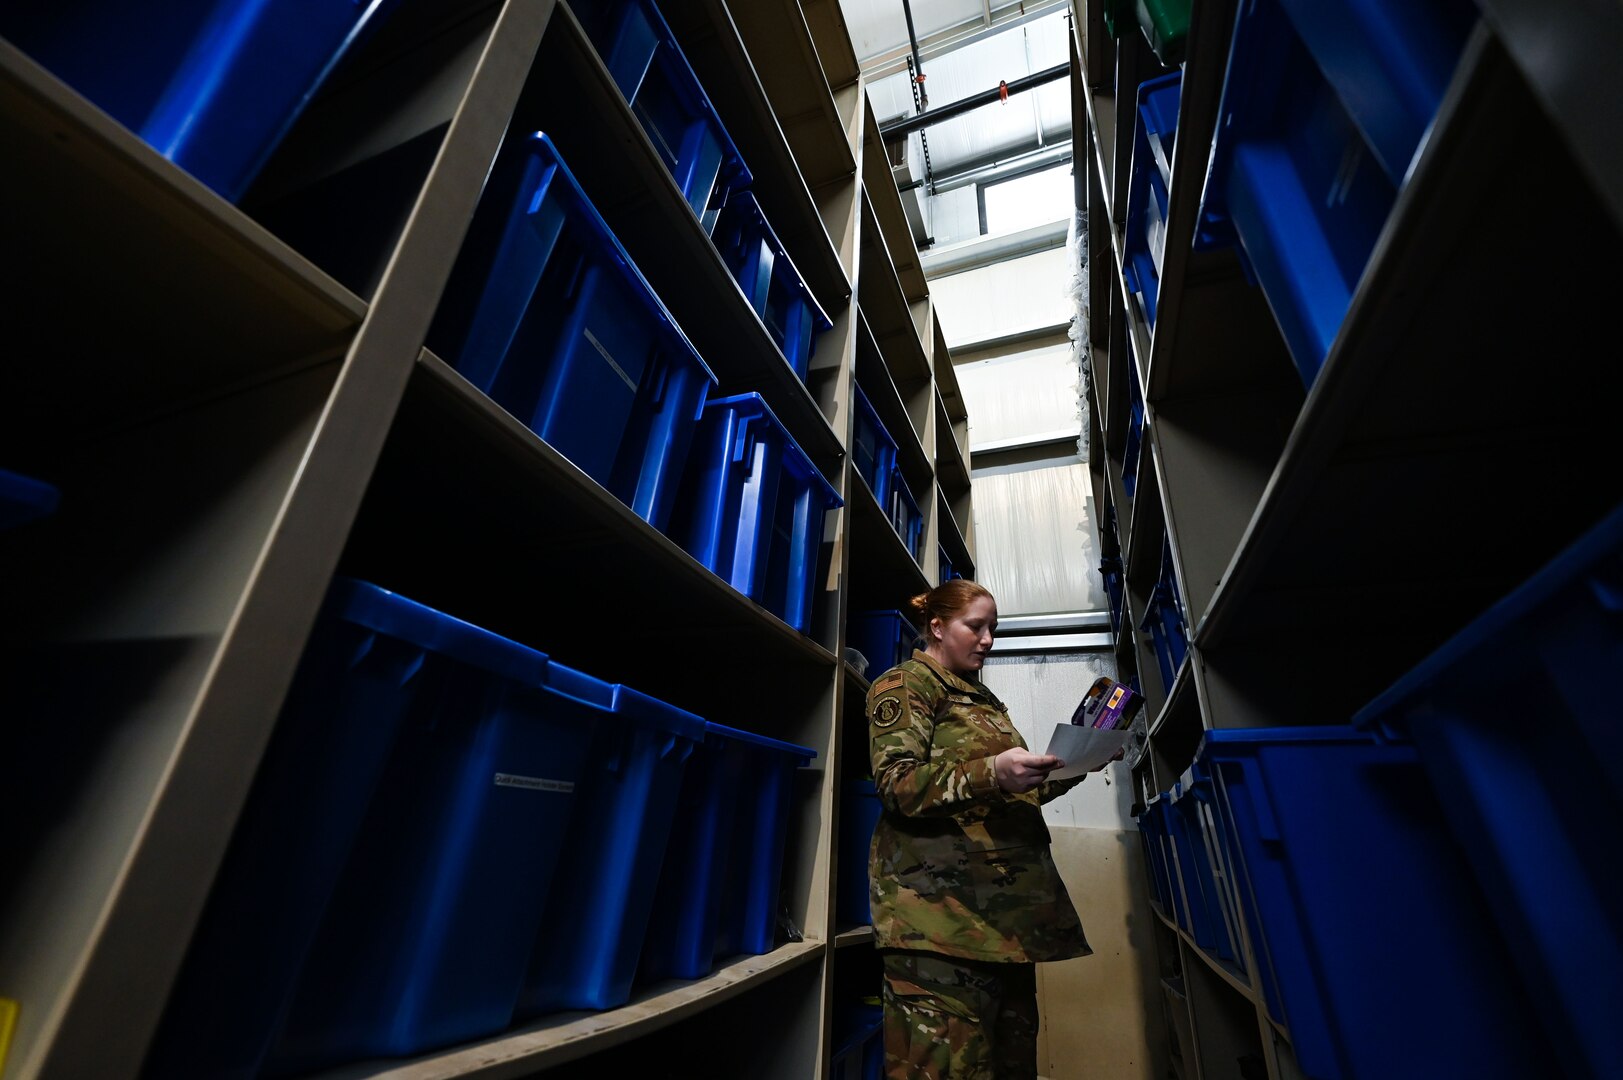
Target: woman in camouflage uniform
{"points": [[965, 895]]}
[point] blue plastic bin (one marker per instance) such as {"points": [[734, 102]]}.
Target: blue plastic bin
{"points": [[1517, 721], [1110, 570], [546, 313], [376, 664], [1165, 621], [1199, 863], [753, 505], [872, 448], [905, 515], [1149, 180], [1384, 960], [859, 1043], [427, 937], [596, 917], [1153, 830], [1132, 448], [885, 638], [213, 85], [647, 64], [23, 499], [859, 815], [769, 280], [944, 565], [718, 889], [1324, 106]]}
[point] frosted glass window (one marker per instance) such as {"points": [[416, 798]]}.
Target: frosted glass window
{"points": [[1036, 548], [1023, 397], [1034, 199], [1018, 296]]}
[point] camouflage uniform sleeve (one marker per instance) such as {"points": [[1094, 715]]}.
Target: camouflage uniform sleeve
{"points": [[1049, 790], [901, 723]]}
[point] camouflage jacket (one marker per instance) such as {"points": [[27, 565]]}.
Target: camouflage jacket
{"points": [[958, 865]]}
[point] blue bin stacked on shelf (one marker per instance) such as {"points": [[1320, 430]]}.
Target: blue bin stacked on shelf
{"points": [[1149, 179], [1203, 865], [944, 565], [859, 1042], [719, 884], [24, 499], [546, 314], [1154, 832], [665, 96], [1110, 572], [884, 638], [872, 449], [769, 280], [753, 506], [596, 919], [905, 516], [859, 815], [1516, 719], [212, 85], [394, 852], [1382, 966], [1164, 619], [1132, 449], [1324, 106]]}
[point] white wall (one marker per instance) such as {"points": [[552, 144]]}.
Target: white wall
{"points": [[1015, 296]]}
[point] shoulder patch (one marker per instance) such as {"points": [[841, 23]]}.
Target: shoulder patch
{"points": [[886, 711], [888, 681]]}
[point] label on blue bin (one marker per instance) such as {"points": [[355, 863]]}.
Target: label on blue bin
{"points": [[533, 783]]}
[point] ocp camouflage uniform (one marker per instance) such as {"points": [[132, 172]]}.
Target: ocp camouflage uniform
{"points": [[961, 878]]}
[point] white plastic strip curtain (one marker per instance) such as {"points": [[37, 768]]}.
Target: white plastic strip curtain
{"points": [[1076, 289], [1021, 398], [1037, 550]]}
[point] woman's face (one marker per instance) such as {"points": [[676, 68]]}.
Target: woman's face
{"points": [[966, 638]]}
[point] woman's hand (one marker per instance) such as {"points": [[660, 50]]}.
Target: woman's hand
{"points": [[1020, 770]]}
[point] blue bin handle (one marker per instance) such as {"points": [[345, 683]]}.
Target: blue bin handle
{"points": [[1262, 808]]}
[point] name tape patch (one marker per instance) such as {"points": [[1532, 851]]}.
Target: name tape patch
{"points": [[533, 783]]}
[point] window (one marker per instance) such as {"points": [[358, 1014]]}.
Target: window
{"points": [[1034, 198]]}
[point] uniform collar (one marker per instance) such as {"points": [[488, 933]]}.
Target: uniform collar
{"points": [[948, 679]]}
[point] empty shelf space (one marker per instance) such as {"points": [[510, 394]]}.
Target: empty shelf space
{"points": [[887, 309]]}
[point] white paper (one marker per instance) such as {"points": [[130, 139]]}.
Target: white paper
{"points": [[1083, 749]]}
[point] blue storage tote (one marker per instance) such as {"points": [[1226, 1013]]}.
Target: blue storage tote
{"points": [[23, 499], [596, 916], [427, 937], [647, 64], [1383, 958], [944, 564], [1324, 106], [769, 280], [718, 890], [212, 85], [872, 449], [905, 515], [1199, 866], [546, 313], [1110, 570], [859, 1043], [375, 664], [886, 638], [753, 506], [1517, 721], [1153, 831], [1132, 449], [1164, 619], [860, 810], [1149, 180]]}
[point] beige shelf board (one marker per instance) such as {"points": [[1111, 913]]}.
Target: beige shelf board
{"points": [[781, 47], [826, 21], [952, 463], [876, 381], [129, 286], [951, 537], [885, 305], [883, 572], [1232, 976], [515, 493], [564, 1037], [861, 935], [711, 43], [1398, 451], [628, 183], [880, 185]]}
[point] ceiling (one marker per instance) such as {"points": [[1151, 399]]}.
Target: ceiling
{"points": [[967, 47]]}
